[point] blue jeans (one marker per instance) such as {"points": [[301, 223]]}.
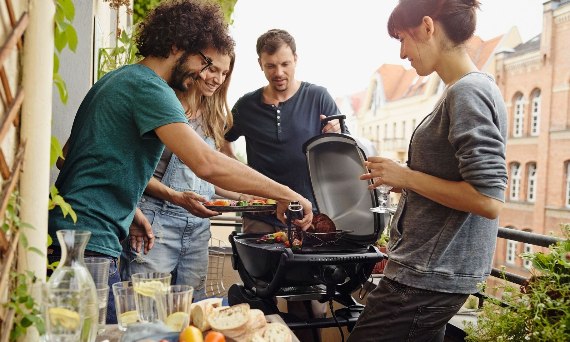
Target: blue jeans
{"points": [[114, 277], [180, 247]]}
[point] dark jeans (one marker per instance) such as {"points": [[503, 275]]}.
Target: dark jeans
{"points": [[396, 312], [54, 254]]}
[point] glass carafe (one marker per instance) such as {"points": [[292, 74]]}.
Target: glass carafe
{"points": [[71, 273]]}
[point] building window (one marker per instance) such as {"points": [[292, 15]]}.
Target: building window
{"points": [[372, 104], [518, 120], [531, 186], [535, 114], [515, 181], [413, 124], [403, 129], [394, 129], [567, 184], [511, 252], [527, 249], [385, 131], [377, 134]]}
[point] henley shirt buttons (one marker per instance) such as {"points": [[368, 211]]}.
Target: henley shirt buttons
{"points": [[278, 111], [278, 117]]}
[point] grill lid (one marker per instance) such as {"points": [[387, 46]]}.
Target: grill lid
{"points": [[335, 163]]}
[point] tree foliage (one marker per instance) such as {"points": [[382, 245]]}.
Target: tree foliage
{"points": [[142, 7]]}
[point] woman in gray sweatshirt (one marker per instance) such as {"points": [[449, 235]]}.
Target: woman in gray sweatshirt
{"points": [[443, 234]]}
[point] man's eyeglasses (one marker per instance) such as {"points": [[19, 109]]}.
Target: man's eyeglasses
{"points": [[206, 59]]}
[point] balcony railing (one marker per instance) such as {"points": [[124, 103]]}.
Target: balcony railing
{"points": [[394, 144]]}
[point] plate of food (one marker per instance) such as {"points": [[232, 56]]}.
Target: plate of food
{"points": [[225, 205]]}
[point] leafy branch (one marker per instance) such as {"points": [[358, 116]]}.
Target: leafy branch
{"points": [[64, 35], [21, 301]]}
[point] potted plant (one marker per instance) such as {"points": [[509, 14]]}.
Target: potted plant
{"points": [[381, 244], [538, 310]]}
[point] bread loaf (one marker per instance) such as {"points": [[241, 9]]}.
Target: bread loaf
{"points": [[256, 337], [230, 321], [256, 320], [199, 312], [277, 332]]}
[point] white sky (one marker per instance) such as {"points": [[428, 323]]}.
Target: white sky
{"points": [[340, 43]]}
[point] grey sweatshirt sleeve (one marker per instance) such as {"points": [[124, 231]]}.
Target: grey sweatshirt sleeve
{"points": [[478, 133]]}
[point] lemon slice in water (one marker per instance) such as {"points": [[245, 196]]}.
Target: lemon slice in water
{"points": [[149, 288], [68, 319], [129, 317], [177, 321]]}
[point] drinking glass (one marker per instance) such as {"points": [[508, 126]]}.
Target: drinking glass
{"points": [[64, 313], [99, 269], [149, 287], [125, 306], [177, 303], [102, 301], [383, 199]]}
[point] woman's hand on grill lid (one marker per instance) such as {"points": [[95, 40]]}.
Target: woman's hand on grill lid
{"points": [[305, 222]]}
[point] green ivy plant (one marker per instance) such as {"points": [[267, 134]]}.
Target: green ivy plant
{"points": [[538, 310], [26, 309], [112, 58], [64, 36], [125, 50]]}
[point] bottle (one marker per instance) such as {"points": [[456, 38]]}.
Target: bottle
{"points": [[294, 212], [71, 273]]}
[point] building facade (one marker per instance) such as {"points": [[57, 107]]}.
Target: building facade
{"points": [[534, 79]]}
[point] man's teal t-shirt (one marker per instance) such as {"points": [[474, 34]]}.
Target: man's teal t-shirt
{"points": [[112, 153]]}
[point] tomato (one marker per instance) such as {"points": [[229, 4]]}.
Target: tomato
{"points": [[215, 336], [190, 334], [287, 243], [221, 202]]}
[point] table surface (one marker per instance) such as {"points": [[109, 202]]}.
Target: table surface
{"points": [[113, 334]]}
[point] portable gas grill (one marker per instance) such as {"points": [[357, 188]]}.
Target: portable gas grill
{"points": [[329, 271]]}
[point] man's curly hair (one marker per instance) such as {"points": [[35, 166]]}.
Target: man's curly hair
{"points": [[189, 25]]}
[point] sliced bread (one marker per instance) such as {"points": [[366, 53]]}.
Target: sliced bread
{"points": [[230, 321], [199, 312], [277, 332]]}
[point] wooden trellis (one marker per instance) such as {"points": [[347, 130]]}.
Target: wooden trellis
{"points": [[10, 173]]}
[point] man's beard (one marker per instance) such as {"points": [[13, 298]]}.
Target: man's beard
{"points": [[180, 74]]}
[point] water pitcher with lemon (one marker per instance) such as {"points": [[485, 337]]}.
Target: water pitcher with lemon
{"points": [[71, 277]]}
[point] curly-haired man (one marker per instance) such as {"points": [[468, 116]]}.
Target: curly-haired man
{"points": [[124, 122]]}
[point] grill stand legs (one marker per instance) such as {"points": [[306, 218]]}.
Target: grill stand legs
{"points": [[346, 316]]}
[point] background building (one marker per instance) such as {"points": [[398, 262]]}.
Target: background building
{"points": [[534, 79]]}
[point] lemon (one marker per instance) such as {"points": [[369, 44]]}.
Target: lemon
{"points": [[129, 317], [149, 288], [191, 334], [68, 319], [177, 321]]}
